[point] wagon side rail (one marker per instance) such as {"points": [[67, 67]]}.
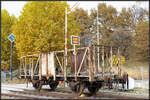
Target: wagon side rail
{"points": [[29, 66]]}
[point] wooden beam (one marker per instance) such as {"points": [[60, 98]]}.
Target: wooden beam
{"points": [[90, 73], [82, 61], [21, 65], [71, 49], [36, 64], [94, 70], [59, 62], [119, 73], [103, 61], [40, 67], [34, 55], [25, 67], [54, 66], [32, 69], [111, 62]]}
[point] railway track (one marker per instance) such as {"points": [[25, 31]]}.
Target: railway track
{"points": [[60, 93], [66, 94], [99, 95], [14, 96]]}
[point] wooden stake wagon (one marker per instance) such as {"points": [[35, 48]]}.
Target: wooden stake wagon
{"points": [[81, 72]]}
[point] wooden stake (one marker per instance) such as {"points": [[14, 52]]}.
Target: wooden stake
{"points": [[32, 69], [40, 67], [89, 53], [94, 61], [82, 61], [118, 62], [25, 67], [111, 63], [103, 61]]}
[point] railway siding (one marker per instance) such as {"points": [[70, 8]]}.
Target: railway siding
{"points": [[46, 93]]}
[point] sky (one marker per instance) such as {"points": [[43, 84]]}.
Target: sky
{"points": [[15, 7]]}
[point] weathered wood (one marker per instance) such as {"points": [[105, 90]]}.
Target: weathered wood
{"points": [[94, 62], [82, 61], [32, 69], [61, 51], [119, 63], [90, 71], [75, 58], [107, 62], [34, 55], [59, 62], [30, 66], [20, 67], [94, 65], [54, 67], [47, 64], [111, 62], [40, 68], [103, 61], [25, 67], [65, 67], [37, 63]]}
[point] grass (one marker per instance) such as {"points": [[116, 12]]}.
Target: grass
{"points": [[133, 68], [16, 81]]}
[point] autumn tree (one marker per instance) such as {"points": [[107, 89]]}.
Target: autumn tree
{"points": [[123, 32], [7, 22], [41, 27], [141, 31], [123, 39], [107, 21], [141, 39], [82, 17]]}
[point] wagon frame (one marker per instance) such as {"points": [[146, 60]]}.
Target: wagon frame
{"points": [[93, 79]]}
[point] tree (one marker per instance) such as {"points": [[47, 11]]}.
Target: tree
{"points": [[141, 39], [41, 27], [82, 17], [107, 21], [123, 32], [6, 29], [123, 39], [139, 13]]}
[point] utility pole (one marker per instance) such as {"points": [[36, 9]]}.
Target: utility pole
{"points": [[98, 59], [65, 59], [65, 65]]}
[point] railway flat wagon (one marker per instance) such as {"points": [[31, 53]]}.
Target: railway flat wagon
{"points": [[80, 71]]}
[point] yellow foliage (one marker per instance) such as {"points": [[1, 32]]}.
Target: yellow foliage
{"points": [[115, 60]]}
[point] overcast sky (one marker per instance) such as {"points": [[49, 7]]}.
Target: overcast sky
{"points": [[14, 7]]}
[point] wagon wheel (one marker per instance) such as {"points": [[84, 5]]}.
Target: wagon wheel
{"points": [[93, 90], [53, 85], [37, 84], [77, 88]]}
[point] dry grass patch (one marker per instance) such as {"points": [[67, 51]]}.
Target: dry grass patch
{"points": [[16, 81]]}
